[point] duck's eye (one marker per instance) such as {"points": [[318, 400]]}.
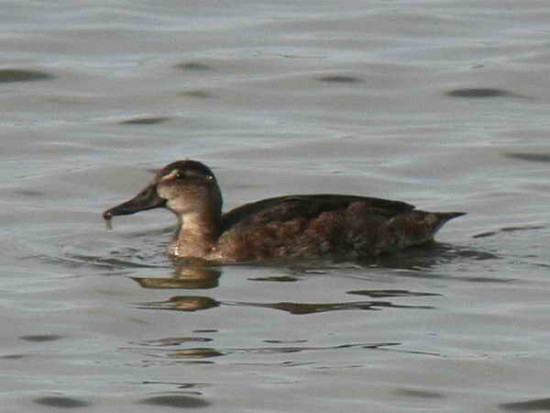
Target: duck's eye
{"points": [[180, 175], [209, 178]]}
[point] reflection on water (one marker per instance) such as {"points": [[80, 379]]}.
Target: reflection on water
{"points": [[196, 303], [193, 353], [313, 308], [203, 277], [183, 303], [184, 277]]}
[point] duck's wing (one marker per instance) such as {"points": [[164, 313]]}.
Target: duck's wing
{"points": [[285, 208]]}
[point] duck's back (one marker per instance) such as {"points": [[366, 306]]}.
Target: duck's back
{"points": [[324, 225]]}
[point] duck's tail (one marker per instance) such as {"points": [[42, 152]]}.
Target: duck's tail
{"points": [[415, 228], [444, 217], [438, 219]]}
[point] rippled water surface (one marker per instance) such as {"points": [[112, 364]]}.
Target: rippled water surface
{"points": [[443, 104]]}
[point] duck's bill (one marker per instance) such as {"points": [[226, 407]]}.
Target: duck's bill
{"points": [[146, 199]]}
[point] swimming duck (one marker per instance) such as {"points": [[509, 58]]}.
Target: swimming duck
{"points": [[292, 226]]}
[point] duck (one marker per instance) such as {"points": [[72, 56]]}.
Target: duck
{"points": [[285, 227]]}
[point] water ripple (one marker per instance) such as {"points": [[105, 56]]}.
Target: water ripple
{"points": [[22, 75], [62, 402]]}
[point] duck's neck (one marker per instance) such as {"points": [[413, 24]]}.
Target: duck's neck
{"points": [[197, 236]]}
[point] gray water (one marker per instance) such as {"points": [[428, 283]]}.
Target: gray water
{"points": [[443, 104]]}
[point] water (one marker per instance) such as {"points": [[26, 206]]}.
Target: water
{"points": [[438, 103]]}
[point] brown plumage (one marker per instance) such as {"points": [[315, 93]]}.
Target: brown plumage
{"points": [[305, 226]]}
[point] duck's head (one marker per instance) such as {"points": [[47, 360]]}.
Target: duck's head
{"points": [[183, 187]]}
